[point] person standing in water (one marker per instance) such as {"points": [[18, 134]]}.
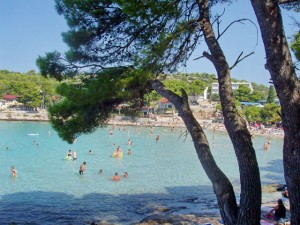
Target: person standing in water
{"points": [[74, 154], [69, 154], [266, 146], [82, 168], [157, 138], [13, 171], [116, 177], [129, 142]]}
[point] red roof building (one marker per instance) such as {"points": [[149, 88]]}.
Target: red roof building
{"points": [[10, 98]]}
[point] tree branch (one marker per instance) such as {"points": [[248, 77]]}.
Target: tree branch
{"points": [[238, 21], [239, 59], [208, 56], [162, 90]]}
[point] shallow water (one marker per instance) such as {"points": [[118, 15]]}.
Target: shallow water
{"points": [[167, 174]]}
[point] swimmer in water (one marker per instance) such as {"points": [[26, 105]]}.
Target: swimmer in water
{"points": [[74, 154], [69, 154], [13, 171], [129, 142], [157, 138], [116, 177]]}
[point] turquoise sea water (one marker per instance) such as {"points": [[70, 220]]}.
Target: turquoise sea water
{"points": [[167, 174]]}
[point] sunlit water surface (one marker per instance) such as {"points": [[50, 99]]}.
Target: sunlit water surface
{"points": [[167, 174]]}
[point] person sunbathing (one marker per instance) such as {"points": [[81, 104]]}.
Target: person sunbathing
{"points": [[278, 211]]}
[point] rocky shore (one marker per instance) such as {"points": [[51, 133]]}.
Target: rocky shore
{"points": [[22, 115], [186, 219]]}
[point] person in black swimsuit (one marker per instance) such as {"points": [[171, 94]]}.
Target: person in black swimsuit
{"points": [[82, 168], [279, 211]]}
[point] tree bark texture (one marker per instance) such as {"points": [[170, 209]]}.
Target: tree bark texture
{"points": [[250, 198], [280, 65], [221, 185]]}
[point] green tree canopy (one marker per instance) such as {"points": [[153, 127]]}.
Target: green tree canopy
{"points": [[176, 85], [295, 46], [271, 113], [242, 94], [271, 94], [30, 87], [197, 87], [253, 113], [256, 96]]}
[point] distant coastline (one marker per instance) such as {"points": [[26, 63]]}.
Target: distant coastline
{"points": [[157, 121]]}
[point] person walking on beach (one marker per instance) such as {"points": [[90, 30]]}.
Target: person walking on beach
{"points": [[82, 168], [13, 171]]}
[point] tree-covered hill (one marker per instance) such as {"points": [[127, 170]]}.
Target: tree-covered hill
{"points": [[32, 89]]}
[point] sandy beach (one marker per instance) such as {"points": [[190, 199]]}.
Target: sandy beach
{"points": [[156, 121]]}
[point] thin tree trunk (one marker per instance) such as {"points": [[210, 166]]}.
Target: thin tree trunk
{"points": [[250, 198], [281, 68], [222, 186]]}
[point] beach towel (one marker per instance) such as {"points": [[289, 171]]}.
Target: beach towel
{"points": [[264, 222]]}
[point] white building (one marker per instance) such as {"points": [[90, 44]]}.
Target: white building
{"points": [[235, 86]]}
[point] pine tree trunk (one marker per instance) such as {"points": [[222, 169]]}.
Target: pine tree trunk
{"points": [[281, 68], [250, 198], [221, 185]]}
